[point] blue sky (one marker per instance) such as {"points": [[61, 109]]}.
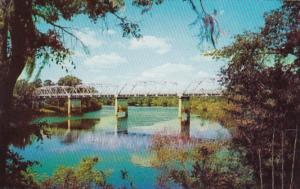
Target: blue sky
{"points": [[169, 47]]}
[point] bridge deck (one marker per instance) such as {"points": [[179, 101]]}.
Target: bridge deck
{"points": [[122, 95], [136, 89]]}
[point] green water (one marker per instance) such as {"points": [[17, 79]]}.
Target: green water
{"points": [[119, 145]]}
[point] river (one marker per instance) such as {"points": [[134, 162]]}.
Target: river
{"points": [[119, 145]]}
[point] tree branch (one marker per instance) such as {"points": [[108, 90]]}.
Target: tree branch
{"points": [[64, 29], [294, 157], [129, 28], [202, 7], [194, 7]]}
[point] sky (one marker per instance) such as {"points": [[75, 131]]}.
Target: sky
{"points": [[169, 47]]}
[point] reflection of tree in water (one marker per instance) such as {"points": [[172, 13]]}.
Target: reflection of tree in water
{"points": [[191, 163], [69, 131], [14, 170], [185, 129]]}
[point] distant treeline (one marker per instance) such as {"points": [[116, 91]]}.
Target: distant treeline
{"points": [[24, 89], [146, 101], [211, 108]]}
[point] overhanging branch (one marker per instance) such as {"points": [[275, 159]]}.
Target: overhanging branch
{"points": [[64, 29]]}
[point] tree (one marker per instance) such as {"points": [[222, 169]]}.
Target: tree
{"points": [[48, 82], [262, 81], [83, 175], [23, 94], [22, 42], [37, 83], [198, 164], [18, 174], [69, 81], [222, 170]]}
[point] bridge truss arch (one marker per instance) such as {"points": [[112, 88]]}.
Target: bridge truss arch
{"points": [[201, 87]]}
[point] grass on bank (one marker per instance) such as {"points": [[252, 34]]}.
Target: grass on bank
{"points": [[213, 108]]}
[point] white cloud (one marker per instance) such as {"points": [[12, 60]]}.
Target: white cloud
{"points": [[89, 38], [209, 62], [203, 59], [202, 74], [79, 54], [183, 74], [168, 71], [105, 60], [110, 32], [159, 45]]}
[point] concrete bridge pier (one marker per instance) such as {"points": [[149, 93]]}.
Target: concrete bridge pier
{"points": [[184, 107], [69, 106], [184, 114], [121, 107], [74, 105]]}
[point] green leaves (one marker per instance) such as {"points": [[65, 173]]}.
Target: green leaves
{"points": [[83, 175], [264, 88], [69, 81], [130, 29], [146, 4]]}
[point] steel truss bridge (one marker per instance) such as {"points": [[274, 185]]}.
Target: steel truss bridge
{"points": [[201, 87]]}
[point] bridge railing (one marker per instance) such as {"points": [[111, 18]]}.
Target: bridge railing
{"points": [[148, 88], [136, 88]]}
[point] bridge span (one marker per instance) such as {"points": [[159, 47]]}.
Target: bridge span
{"points": [[131, 89], [202, 87]]}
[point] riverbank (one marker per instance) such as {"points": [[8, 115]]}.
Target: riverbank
{"points": [[214, 109], [63, 110]]}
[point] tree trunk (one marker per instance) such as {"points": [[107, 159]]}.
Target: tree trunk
{"points": [[3, 94], [260, 169], [3, 156], [273, 138], [6, 93], [12, 61], [294, 158], [282, 160]]}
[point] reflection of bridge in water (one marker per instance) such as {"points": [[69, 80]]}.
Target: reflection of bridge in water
{"points": [[72, 128], [74, 94]]}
